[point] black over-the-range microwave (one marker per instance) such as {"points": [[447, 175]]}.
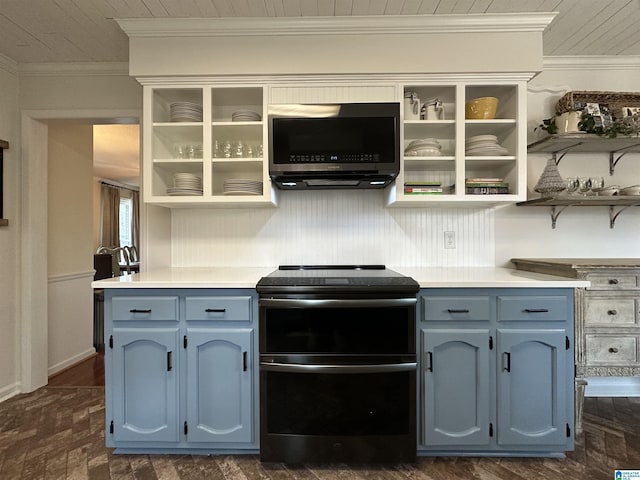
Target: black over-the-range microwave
{"points": [[334, 146]]}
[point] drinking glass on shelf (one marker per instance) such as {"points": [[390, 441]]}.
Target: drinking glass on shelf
{"points": [[218, 150], [226, 149], [597, 184], [584, 185], [572, 184], [179, 150], [238, 149]]}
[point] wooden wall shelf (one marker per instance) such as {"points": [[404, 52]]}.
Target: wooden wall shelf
{"points": [[616, 204]]}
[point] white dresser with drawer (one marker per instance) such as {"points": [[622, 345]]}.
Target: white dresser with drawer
{"points": [[607, 316]]}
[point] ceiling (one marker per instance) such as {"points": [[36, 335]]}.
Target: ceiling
{"points": [[37, 31]]}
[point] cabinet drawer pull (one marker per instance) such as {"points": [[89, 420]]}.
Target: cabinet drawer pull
{"points": [[536, 310], [139, 310], [613, 281], [215, 310], [506, 361], [613, 350], [458, 310], [612, 312]]}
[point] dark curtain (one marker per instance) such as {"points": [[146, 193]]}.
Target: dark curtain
{"points": [[110, 231]]}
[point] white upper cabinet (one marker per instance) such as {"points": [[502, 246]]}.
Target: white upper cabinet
{"points": [[208, 144], [448, 158], [205, 145]]}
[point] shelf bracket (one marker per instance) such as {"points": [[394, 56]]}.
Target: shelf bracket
{"points": [[555, 213], [563, 152], [613, 215], [612, 162]]}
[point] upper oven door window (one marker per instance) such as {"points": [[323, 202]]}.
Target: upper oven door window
{"points": [[338, 330]]}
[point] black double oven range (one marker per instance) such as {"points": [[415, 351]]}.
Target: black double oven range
{"points": [[337, 365]]}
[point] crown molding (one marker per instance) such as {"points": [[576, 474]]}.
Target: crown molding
{"points": [[73, 69], [8, 64], [346, 25], [592, 62], [333, 79]]}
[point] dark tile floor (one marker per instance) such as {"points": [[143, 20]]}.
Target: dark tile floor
{"points": [[57, 432]]}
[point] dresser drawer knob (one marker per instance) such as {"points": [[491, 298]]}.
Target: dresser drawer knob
{"points": [[612, 312], [613, 281], [613, 350]]}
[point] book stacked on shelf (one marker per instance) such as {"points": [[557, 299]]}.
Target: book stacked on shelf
{"points": [[486, 186], [426, 188]]}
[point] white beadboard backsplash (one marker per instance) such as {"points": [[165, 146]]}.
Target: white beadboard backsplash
{"points": [[331, 227]]}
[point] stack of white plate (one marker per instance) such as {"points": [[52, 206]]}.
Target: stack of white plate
{"points": [[185, 184], [185, 112], [239, 186], [484, 145], [245, 116], [427, 147]]}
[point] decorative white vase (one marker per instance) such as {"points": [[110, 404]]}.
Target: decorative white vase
{"points": [[568, 122]]}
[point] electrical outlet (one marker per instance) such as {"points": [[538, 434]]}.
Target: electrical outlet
{"points": [[450, 239]]}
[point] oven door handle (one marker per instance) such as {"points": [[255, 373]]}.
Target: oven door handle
{"points": [[333, 302], [309, 368]]}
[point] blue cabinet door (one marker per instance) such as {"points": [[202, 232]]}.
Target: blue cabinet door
{"points": [[219, 385], [145, 384], [532, 387], [456, 386]]}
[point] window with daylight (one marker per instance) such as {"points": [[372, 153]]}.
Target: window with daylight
{"points": [[126, 217]]}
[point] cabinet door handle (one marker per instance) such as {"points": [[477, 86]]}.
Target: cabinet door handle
{"points": [[429, 362], [506, 361], [536, 310], [613, 350], [215, 310], [244, 361], [458, 310], [612, 312], [139, 310], [613, 281], [169, 361]]}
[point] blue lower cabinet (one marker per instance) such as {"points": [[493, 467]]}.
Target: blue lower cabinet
{"points": [[456, 405], [219, 385], [532, 387], [180, 370], [497, 379], [145, 375]]}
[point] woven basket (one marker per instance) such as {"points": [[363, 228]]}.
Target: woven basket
{"points": [[615, 101]]}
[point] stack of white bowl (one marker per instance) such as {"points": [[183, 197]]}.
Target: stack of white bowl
{"points": [[428, 147], [185, 112], [245, 116], [240, 186], [185, 184], [485, 145]]}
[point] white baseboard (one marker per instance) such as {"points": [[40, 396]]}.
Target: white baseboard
{"points": [[71, 361], [9, 391], [612, 387]]}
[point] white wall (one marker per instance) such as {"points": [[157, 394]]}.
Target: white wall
{"points": [[70, 244], [331, 227], [580, 231], [9, 244]]}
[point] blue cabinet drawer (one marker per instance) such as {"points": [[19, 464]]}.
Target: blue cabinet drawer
{"points": [[144, 308], [456, 308], [218, 308], [533, 308]]}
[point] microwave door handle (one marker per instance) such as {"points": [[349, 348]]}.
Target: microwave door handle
{"points": [[331, 368]]}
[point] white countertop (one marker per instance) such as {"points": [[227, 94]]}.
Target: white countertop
{"points": [[485, 277], [427, 277]]}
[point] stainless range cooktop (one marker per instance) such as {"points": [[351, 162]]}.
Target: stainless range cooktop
{"points": [[320, 278]]}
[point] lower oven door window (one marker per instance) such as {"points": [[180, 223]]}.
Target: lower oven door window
{"points": [[339, 404]]}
